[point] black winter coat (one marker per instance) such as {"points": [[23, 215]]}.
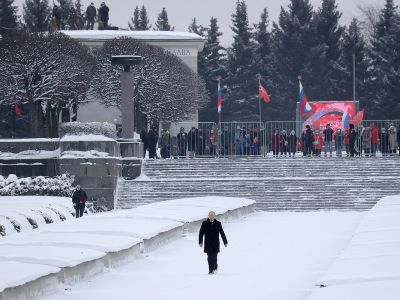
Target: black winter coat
{"points": [[211, 231], [103, 12], [79, 197]]}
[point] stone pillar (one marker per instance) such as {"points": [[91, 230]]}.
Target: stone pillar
{"points": [[127, 106]]}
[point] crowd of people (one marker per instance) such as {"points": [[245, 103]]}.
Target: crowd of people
{"points": [[92, 15], [254, 141]]}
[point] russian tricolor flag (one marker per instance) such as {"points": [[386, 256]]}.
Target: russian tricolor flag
{"points": [[219, 98], [345, 120], [305, 107]]}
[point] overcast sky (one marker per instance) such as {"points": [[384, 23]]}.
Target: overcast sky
{"points": [[181, 12]]}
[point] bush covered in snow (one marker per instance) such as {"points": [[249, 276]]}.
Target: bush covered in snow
{"points": [[95, 128], [40, 186]]}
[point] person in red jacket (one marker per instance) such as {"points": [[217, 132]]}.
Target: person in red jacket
{"points": [[347, 141], [318, 142], [275, 143], [374, 139]]}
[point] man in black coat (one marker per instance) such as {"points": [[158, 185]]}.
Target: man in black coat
{"points": [[91, 14], [352, 140], [152, 139], [211, 229], [103, 12], [79, 199]]}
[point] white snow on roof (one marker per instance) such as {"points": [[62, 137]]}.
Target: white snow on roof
{"points": [[140, 35]]}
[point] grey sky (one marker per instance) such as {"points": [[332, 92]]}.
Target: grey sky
{"points": [[181, 12]]}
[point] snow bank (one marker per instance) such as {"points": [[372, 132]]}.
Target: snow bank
{"points": [[369, 268], [86, 137]]}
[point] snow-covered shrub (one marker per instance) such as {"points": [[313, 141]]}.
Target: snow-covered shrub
{"points": [[2, 230], [46, 216], [59, 214], [38, 186], [95, 128]]}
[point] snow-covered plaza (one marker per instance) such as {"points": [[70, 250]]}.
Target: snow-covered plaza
{"points": [[152, 252]]}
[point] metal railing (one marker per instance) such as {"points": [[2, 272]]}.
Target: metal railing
{"points": [[279, 139]]}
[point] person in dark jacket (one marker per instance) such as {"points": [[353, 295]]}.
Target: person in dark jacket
{"points": [[143, 137], [152, 139], [352, 140], [165, 144], [384, 139], [79, 199], [182, 142], [193, 141], [91, 14], [57, 16], [103, 14], [210, 230], [328, 137], [309, 139]]}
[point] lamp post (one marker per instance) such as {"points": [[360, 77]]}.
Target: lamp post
{"points": [[127, 93]]}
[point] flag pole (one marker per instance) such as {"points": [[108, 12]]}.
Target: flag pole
{"points": [[259, 99], [219, 131]]}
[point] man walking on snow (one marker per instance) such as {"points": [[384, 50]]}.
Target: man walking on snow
{"points": [[211, 229]]}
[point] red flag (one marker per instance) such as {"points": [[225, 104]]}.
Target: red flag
{"points": [[17, 110], [262, 93], [358, 118]]}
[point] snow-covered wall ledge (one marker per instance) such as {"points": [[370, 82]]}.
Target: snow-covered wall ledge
{"points": [[369, 268], [40, 262]]}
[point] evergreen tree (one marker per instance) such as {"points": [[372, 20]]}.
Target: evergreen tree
{"points": [[197, 29], [353, 43], [212, 64], [144, 19], [8, 16], [162, 22], [328, 36], [385, 64], [135, 20], [241, 102], [294, 53], [37, 15], [65, 7]]}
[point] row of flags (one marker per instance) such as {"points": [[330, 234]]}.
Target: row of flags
{"points": [[305, 106]]}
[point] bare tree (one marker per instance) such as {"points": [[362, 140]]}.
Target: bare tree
{"points": [[48, 73], [165, 88], [369, 17]]}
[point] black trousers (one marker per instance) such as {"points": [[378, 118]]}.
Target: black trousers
{"points": [[212, 261], [79, 209]]}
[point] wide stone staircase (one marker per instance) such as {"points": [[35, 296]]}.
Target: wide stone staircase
{"points": [[276, 184]]}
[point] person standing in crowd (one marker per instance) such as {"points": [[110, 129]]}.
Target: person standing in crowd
{"points": [[347, 140], [284, 143], [246, 141], [192, 142], [292, 143], [309, 139], [165, 144], [79, 199], [352, 140], [359, 141], [328, 137], [143, 137], [201, 143], [211, 141], [366, 141], [398, 136], [182, 142], [275, 143], [91, 14], [57, 16], [374, 139], [210, 231], [318, 143], [384, 145], [103, 14], [339, 139], [392, 140], [303, 142], [152, 139]]}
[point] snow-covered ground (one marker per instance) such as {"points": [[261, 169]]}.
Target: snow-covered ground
{"points": [[369, 267], [269, 256]]}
